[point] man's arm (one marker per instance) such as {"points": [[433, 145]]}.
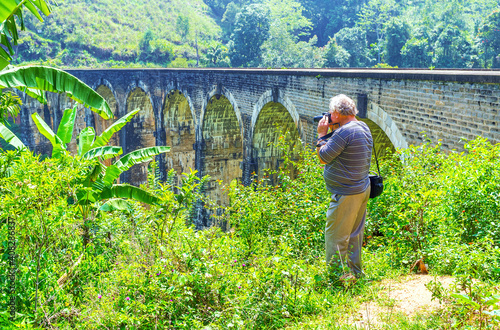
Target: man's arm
{"points": [[319, 157]]}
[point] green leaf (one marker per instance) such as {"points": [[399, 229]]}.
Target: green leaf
{"points": [[117, 204], [128, 191], [112, 173], [10, 137], [85, 140], [104, 138], [103, 152], [463, 298], [129, 160], [65, 129], [7, 8], [45, 130], [139, 156], [54, 80]]}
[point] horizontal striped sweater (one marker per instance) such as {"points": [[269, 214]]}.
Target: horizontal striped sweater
{"points": [[347, 155]]}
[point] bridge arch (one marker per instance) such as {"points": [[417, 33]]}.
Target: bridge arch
{"points": [[180, 131], [100, 124], [274, 114], [220, 90], [387, 125], [221, 136], [276, 96], [140, 131]]}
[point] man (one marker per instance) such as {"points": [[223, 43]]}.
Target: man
{"points": [[347, 155]]}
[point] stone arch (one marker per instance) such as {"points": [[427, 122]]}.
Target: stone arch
{"points": [[139, 132], [273, 121], [222, 143], [218, 91], [382, 119], [276, 96], [180, 128]]}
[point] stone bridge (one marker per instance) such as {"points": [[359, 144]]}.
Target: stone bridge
{"points": [[221, 121]]}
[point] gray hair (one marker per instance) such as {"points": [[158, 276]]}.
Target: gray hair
{"points": [[344, 105]]}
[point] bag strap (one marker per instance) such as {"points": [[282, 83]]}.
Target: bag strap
{"points": [[376, 159]]}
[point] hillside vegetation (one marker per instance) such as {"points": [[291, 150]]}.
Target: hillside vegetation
{"points": [[266, 33]]}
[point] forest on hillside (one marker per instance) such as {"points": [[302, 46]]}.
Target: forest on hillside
{"points": [[265, 33]]}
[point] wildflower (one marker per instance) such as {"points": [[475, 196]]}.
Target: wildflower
{"points": [[243, 265], [99, 296], [127, 298], [158, 274], [239, 287]]}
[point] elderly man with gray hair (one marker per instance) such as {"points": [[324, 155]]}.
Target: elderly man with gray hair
{"points": [[346, 155]]}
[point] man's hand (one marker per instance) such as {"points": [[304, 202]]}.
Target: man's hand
{"points": [[323, 126]]}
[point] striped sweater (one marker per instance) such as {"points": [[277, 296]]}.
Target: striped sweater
{"points": [[347, 155]]}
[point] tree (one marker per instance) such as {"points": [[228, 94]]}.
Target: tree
{"points": [[353, 40], [182, 26], [336, 56], [489, 36], [250, 31], [397, 33], [283, 48], [453, 48], [373, 17], [228, 20], [216, 56], [330, 16], [416, 53]]}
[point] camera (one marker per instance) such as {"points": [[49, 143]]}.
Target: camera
{"points": [[318, 118]]}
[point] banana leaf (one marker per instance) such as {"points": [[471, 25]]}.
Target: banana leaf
{"points": [[8, 28], [103, 153], [128, 191], [140, 156], [104, 138], [9, 7], [66, 127], [131, 159], [85, 140], [54, 80], [116, 204], [45, 130], [10, 137]]}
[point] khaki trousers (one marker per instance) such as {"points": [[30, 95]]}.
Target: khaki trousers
{"points": [[345, 222]]}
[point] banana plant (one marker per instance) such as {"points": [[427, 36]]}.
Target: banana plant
{"points": [[99, 183]]}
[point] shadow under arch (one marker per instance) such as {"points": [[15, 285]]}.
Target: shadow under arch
{"points": [[221, 145], [139, 132], [273, 121], [180, 131]]}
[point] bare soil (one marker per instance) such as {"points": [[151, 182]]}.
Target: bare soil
{"points": [[407, 296]]}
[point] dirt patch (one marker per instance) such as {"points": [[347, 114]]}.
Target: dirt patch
{"points": [[407, 296]]}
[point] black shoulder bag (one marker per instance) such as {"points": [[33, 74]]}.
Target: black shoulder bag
{"points": [[376, 181]]}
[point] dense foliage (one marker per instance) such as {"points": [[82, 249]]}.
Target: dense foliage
{"points": [[266, 33], [261, 265]]}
